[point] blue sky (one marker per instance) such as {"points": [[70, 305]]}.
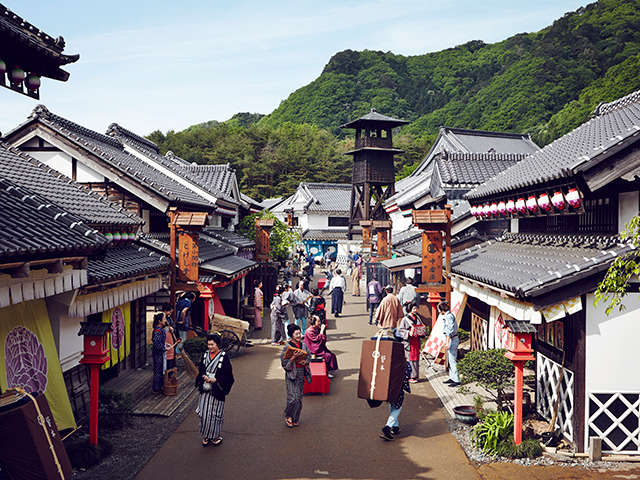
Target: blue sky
{"points": [[168, 65]]}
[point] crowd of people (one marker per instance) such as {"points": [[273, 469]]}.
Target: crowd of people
{"points": [[298, 325]]}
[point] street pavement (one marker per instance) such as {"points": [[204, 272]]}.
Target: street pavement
{"points": [[338, 436]]}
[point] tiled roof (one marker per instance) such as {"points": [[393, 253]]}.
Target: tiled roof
{"points": [[527, 265], [320, 198], [467, 169], [232, 238], [229, 266], [31, 227], [519, 326], [207, 250], [405, 237], [374, 116], [325, 235], [94, 328], [219, 187], [111, 151], [17, 34], [92, 207], [270, 203], [125, 262], [462, 140], [614, 125]]}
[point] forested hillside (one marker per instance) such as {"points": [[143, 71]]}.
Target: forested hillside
{"points": [[543, 83]]}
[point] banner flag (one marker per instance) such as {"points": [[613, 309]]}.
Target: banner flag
{"points": [[29, 358], [119, 338]]}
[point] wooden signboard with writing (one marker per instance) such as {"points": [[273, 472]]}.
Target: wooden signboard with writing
{"points": [[432, 257], [188, 256]]}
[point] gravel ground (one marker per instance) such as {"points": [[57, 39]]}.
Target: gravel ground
{"points": [[461, 432]]}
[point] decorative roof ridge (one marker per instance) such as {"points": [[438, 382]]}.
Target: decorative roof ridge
{"points": [[600, 242], [117, 131], [56, 44], [460, 156], [209, 166], [324, 185], [485, 133], [606, 108], [41, 112]]}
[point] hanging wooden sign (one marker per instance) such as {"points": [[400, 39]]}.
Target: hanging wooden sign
{"points": [[432, 257], [188, 256]]}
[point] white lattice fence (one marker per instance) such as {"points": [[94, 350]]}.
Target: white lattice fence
{"points": [[547, 394], [615, 418]]}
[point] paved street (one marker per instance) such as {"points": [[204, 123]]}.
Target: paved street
{"points": [[338, 433]]}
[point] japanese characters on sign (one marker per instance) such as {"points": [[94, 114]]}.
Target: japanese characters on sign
{"points": [[432, 257], [188, 256], [383, 244]]}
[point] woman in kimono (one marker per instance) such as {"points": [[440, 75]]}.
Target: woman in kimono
{"points": [[277, 315], [355, 280], [214, 381], [159, 338], [316, 340], [296, 369], [258, 306], [411, 339]]}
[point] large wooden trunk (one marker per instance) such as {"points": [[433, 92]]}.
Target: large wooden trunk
{"points": [[382, 368]]}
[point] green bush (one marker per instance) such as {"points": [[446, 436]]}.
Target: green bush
{"points": [[463, 335], [114, 410], [195, 348], [491, 370], [84, 455], [529, 448], [496, 428]]}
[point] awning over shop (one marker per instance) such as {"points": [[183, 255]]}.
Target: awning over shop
{"points": [[402, 263], [228, 266]]}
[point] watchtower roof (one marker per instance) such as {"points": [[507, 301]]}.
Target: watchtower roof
{"points": [[375, 118]]}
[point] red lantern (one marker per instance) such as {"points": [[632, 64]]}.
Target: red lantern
{"points": [[493, 209], [532, 204], [558, 200], [502, 208], [520, 205], [511, 206], [573, 197], [543, 202]]}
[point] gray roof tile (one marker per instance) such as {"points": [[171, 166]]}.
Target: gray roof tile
{"points": [[526, 264], [466, 169], [124, 262], [111, 151], [614, 124], [94, 209], [31, 227], [325, 235]]}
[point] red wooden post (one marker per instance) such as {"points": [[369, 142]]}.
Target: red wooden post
{"points": [[519, 351], [95, 354], [93, 404]]}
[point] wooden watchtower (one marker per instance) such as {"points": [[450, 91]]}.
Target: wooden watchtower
{"points": [[373, 174]]}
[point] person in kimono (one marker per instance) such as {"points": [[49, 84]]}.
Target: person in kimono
{"points": [[411, 339], [355, 280], [214, 382], [258, 305], [158, 338], [392, 426], [316, 339], [277, 315], [336, 288], [296, 370]]}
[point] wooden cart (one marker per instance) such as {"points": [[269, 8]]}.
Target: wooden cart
{"points": [[232, 331]]}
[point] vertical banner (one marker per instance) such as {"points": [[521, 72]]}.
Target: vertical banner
{"points": [[383, 244], [119, 339], [432, 257], [366, 236], [188, 256], [29, 358]]}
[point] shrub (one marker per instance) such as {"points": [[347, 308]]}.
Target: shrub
{"points": [[496, 428], [529, 448], [84, 455], [114, 409], [195, 348], [490, 369], [463, 335]]}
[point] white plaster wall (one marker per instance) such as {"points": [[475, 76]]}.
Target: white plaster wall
{"points": [[515, 226], [400, 222], [85, 174], [612, 346], [59, 161], [628, 204], [71, 344], [303, 221], [318, 221]]}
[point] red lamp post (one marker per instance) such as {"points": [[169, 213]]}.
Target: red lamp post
{"points": [[95, 354], [519, 351]]}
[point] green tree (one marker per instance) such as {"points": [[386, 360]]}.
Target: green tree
{"points": [[615, 285], [282, 239]]}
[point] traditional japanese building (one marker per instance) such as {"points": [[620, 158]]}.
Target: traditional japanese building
{"points": [[566, 205]]}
